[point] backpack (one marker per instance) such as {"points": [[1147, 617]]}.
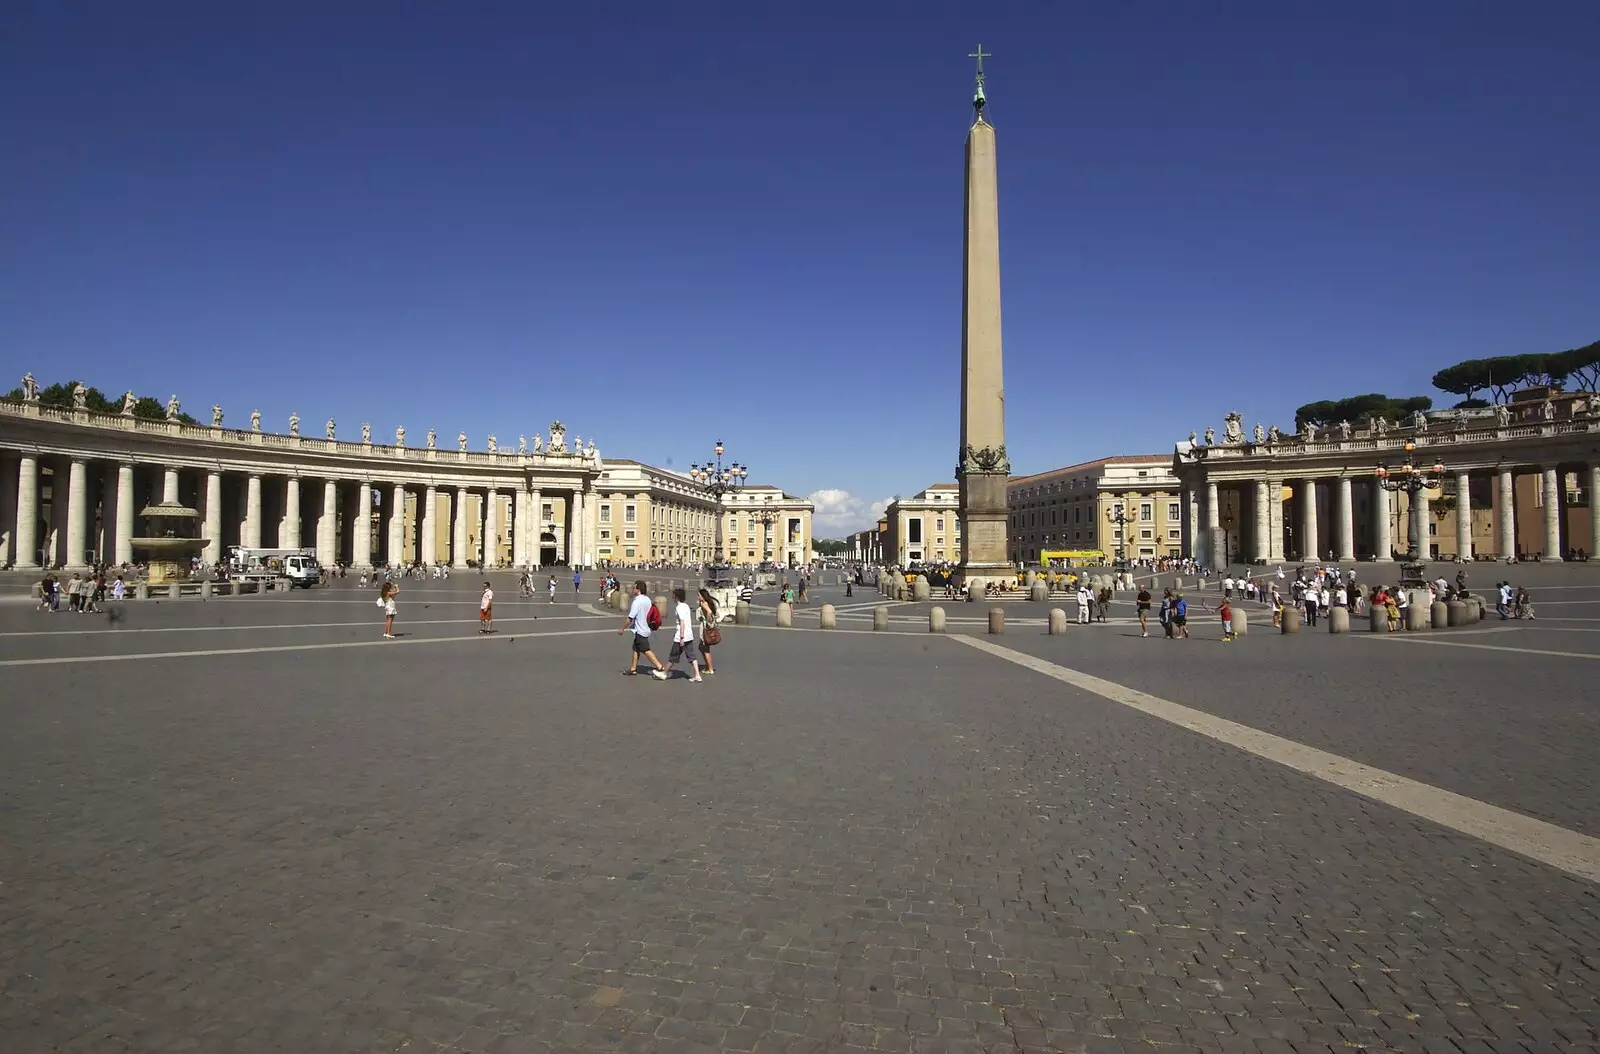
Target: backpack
{"points": [[653, 618]]}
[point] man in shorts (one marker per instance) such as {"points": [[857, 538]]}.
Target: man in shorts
{"points": [[1143, 602], [1180, 617], [638, 624]]}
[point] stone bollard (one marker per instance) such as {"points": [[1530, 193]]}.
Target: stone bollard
{"points": [[997, 620], [1200, 585], [920, 590], [1177, 583], [785, 615], [1241, 622], [1289, 621], [141, 592], [1439, 615], [1475, 602], [974, 591], [1028, 578], [880, 618], [741, 613], [1058, 621], [1339, 620], [1378, 619], [936, 620], [1155, 583], [829, 617], [1039, 592], [205, 589], [1417, 616], [1457, 613]]}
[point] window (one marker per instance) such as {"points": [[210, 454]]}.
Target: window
{"points": [[1174, 513], [630, 534], [1147, 512], [938, 524], [914, 531], [630, 513], [1143, 472], [605, 514], [1145, 534], [628, 551], [605, 534], [547, 513], [1116, 509], [1174, 535]]}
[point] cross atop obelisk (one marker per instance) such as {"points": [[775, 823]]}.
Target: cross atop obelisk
{"points": [[978, 98], [982, 468]]}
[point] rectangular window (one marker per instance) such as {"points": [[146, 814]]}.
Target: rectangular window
{"points": [[1146, 534], [1174, 535], [1174, 513], [630, 514], [547, 513], [1147, 512], [628, 551], [630, 534], [938, 524], [605, 514], [605, 534]]}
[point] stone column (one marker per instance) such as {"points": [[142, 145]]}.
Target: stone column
{"points": [[1344, 521], [1216, 537], [1463, 516], [458, 533], [1275, 520], [122, 531], [289, 534], [1422, 516], [1550, 491], [251, 534], [429, 527], [575, 532], [212, 531], [519, 528], [9, 478], [1310, 544], [397, 525], [27, 533], [1191, 522], [1260, 546], [487, 541], [536, 527], [77, 512], [169, 486], [1594, 510], [1383, 540], [361, 537], [1506, 512], [328, 525]]}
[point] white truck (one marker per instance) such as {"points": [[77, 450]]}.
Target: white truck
{"points": [[299, 566]]}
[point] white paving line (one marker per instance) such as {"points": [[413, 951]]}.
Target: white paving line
{"points": [[379, 643], [120, 631], [1569, 851], [1418, 638]]}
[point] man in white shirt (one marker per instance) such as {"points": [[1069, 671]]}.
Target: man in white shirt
{"points": [[1084, 596], [638, 624], [1227, 587], [683, 642]]}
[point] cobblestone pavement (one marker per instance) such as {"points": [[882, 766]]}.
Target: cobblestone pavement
{"points": [[839, 842]]}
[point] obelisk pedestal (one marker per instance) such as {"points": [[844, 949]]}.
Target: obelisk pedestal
{"points": [[983, 469]]}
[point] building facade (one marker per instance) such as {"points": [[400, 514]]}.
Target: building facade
{"points": [[1076, 509], [924, 528], [1514, 480], [72, 483], [765, 525]]}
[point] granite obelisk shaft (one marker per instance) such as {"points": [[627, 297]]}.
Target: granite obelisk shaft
{"points": [[983, 468]]}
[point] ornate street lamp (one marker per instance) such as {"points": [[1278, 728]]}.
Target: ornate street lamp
{"points": [[719, 480], [1118, 515], [1408, 478]]}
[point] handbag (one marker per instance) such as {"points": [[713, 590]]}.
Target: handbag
{"points": [[711, 635]]}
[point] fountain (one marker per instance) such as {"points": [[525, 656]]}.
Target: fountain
{"points": [[171, 550]]}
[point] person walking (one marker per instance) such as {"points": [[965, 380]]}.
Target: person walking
{"points": [[683, 642], [577, 582], [1084, 596], [552, 589], [1226, 614], [1313, 603], [1180, 616], [1142, 603], [486, 610], [386, 602], [639, 625], [1165, 613], [710, 632]]}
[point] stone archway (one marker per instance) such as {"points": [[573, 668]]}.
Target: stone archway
{"points": [[547, 549]]}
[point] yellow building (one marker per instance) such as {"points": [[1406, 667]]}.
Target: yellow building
{"points": [[766, 525], [923, 528], [1076, 508]]}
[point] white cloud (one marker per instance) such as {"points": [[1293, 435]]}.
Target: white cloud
{"points": [[838, 513]]}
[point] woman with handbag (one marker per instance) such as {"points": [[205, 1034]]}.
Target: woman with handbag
{"points": [[710, 635]]}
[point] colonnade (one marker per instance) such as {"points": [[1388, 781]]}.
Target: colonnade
{"points": [[360, 522], [1331, 500]]}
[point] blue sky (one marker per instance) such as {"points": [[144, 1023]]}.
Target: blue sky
{"points": [[669, 230]]}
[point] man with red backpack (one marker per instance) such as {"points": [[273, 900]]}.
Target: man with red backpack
{"points": [[642, 619]]}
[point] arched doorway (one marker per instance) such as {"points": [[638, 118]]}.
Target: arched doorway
{"points": [[547, 549]]}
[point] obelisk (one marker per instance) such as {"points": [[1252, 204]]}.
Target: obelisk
{"points": [[983, 468]]}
